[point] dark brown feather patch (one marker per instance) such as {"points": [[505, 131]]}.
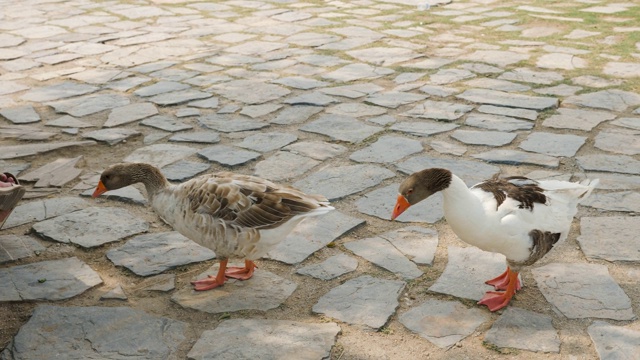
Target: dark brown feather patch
{"points": [[524, 190]]}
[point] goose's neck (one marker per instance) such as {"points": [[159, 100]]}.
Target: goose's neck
{"points": [[151, 177], [461, 206]]}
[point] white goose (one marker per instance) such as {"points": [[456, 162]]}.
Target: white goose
{"points": [[234, 215], [515, 216]]}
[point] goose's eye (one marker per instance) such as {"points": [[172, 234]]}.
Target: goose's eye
{"points": [[410, 191]]}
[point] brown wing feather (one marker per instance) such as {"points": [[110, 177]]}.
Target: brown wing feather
{"points": [[522, 189]]}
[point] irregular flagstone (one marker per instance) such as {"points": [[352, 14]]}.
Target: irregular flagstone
{"points": [[151, 254], [311, 235], [43, 209], [423, 128], [68, 122], [183, 170], [620, 233], [116, 293], [495, 84], [595, 82], [384, 56], [559, 90], [515, 157], [628, 122], [577, 119], [439, 110], [364, 300], [488, 138], [227, 124], [610, 163], [160, 87], [56, 173], [380, 252], [467, 270], [331, 268], [578, 296], [443, 323], [132, 332], [130, 113], [379, 203], [267, 141], [531, 76], [255, 47], [417, 243], [496, 57], [284, 165], [263, 291], [500, 98], [259, 93], [314, 98], [353, 91], [312, 39], [387, 149], [166, 123], [614, 342], [127, 194], [162, 282], [471, 172], [108, 224], [203, 137], [160, 155], [613, 99], [353, 72], [553, 144], [178, 97], [18, 151], [47, 280], [561, 61], [343, 128], [316, 150], [497, 122], [21, 115], [621, 69], [228, 155], [626, 201], [256, 111], [338, 182], [295, 114], [448, 76], [58, 91], [13, 247], [90, 104], [268, 339], [619, 141], [300, 82], [445, 147], [111, 136], [394, 99], [611, 181], [356, 110], [527, 330]]}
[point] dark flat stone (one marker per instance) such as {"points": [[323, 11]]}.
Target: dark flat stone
{"points": [[553, 144], [342, 128], [609, 163], [497, 122], [228, 155], [184, 170], [228, 124], [487, 138], [515, 157], [340, 181], [492, 97]]}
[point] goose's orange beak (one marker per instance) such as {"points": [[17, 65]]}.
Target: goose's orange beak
{"points": [[401, 205], [100, 189]]}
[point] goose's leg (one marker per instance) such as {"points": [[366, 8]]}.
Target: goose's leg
{"points": [[242, 273], [10, 193], [496, 300], [212, 282], [501, 282]]}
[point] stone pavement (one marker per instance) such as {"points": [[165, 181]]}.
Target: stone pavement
{"points": [[342, 98]]}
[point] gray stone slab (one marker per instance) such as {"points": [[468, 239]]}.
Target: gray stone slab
{"points": [[443, 323], [14, 247], [438, 90], [18, 151], [497, 122], [494, 84], [166, 123], [384, 56], [387, 149], [267, 141], [54, 174], [559, 90], [47, 280], [256, 111], [380, 202], [58, 91], [577, 296], [609, 163], [394, 100], [160, 155], [228, 124], [382, 253], [614, 342], [266, 339], [496, 57], [284, 165], [111, 136], [96, 332], [353, 72], [130, 113], [24, 114], [331, 268], [250, 91], [295, 114], [515, 157], [209, 103], [314, 98], [116, 293], [578, 119], [90, 104], [178, 97], [187, 112], [553, 144], [627, 122], [613, 100], [43, 209], [595, 82], [417, 243], [353, 91], [91, 227], [439, 110], [467, 270], [364, 300], [487, 138], [527, 331], [68, 122], [299, 82], [184, 170], [499, 98], [162, 282], [445, 147], [356, 110], [340, 181], [423, 128], [471, 172], [620, 233], [343, 128], [449, 76], [128, 194], [532, 76], [228, 155], [200, 136], [621, 69], [316, 150], [625, 201], [154, 253], [263, 291], [312, 235], [619, 141]]}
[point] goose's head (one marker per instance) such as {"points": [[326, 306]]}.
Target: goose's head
{"points": [[419, 186], [120, 175]]}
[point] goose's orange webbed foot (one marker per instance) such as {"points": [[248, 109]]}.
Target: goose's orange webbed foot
{"points": [[242, 273]]}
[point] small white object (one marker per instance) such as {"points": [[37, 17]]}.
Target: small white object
{"points": [[423, 5]]}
